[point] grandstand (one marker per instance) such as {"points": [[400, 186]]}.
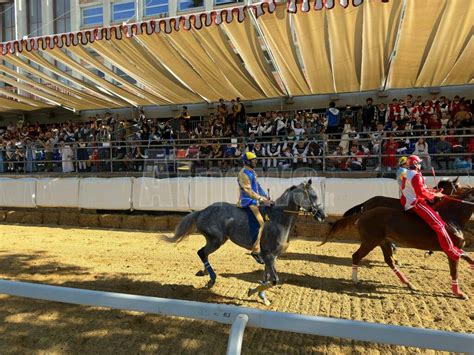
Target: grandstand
{"points": [[439, 130], [71, 103]]}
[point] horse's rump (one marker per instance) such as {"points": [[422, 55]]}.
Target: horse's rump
{"points": [[229, 219], [351, 216]]}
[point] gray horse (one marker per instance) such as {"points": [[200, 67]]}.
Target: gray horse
{"points": [[221, 221]]}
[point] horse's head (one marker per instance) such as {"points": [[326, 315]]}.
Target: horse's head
{"points": [[466, 193], [306, 198], [450, 187]]}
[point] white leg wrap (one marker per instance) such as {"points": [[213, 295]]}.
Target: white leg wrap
{"points": [[354, 274]]}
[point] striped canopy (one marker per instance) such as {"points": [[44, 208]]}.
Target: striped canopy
{"points": [[265, 50]]}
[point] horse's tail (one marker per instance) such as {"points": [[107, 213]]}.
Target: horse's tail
{"points": [[354, 210], [340, 225], [184, 228]]}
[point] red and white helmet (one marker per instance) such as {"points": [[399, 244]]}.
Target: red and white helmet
{"points": [[413, 160]]}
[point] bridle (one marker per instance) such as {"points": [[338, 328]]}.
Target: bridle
{"points": [[313, 209]]}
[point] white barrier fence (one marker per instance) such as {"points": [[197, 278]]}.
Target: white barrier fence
{"points": [[57, 192], [239, 317], [179, 194], [18, 192]]}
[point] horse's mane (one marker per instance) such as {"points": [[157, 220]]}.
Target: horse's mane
{"points": [[284, 196]]}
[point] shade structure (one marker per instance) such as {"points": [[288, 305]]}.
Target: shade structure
{"points": [[264, 50]]}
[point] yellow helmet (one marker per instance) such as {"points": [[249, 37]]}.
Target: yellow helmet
{"points": [[402, 161], [247, 157]]}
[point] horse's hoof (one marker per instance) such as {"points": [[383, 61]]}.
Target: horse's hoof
{"points": [[264, 298], [411, 287], [202, 273], [251, 291], [462, 296], [210, 283]]}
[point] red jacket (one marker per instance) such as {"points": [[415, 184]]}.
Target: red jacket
{"points": [[394, 112], [414, 190], [434, 125], [422, 192]]}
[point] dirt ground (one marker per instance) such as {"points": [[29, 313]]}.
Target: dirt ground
{"points": [[316, 281]]}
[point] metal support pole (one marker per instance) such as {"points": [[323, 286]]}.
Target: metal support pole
{"points": [[236, 336], [324, 151], [76, 146], [380, 155], [269, 50], [110, 158]]}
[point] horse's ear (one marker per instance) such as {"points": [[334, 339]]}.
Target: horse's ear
{"points": [[310, 181], [456, 180]]}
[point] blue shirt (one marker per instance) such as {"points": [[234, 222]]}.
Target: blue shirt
{"points": [[250, 189]]}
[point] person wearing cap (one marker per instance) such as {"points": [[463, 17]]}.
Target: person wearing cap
{"points": [[402, 171], [414, 196], [252, 196]]}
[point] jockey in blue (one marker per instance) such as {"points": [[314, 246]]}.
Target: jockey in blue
{"points": [[251, 196]]}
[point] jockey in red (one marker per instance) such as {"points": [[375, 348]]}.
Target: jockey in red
{"points": [[414, 196]]}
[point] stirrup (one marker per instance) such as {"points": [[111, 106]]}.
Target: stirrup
{"points": [[257, 257]]}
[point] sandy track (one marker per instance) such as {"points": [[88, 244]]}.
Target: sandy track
{"points": [[316, 281]]}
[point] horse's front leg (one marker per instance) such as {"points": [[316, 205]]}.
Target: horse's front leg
{"points": [[453, 270], [272, 270], [269, 274], [261, 294]]}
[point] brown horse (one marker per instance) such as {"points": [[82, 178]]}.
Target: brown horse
{"points": [[449, 187], [382, 226]]}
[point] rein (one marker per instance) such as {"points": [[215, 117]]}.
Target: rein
{"points": [[458, 200], [297, 212], [446, 196]]}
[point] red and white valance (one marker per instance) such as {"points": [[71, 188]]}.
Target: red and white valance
{"points": [[166, 25], [305, 5]]}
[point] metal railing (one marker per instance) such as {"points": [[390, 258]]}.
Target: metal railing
{"points": [[240, 317], [317, 152]]}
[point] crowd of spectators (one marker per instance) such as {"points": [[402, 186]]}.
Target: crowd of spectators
{"points": [[439, 130]]}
